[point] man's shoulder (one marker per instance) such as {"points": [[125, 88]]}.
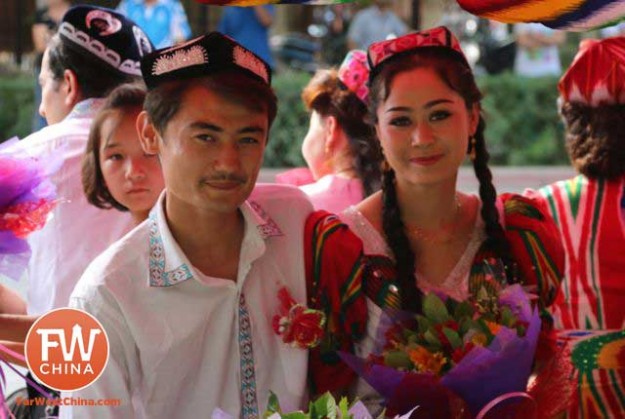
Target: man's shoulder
{"points": [[67, 128], [280, 200], [119, 264]]}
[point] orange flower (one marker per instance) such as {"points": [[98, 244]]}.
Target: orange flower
{"points": [[425, 361], [493, 327], [479, 339]]}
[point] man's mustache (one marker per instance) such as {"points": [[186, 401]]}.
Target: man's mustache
{"points": [[225, 177]]}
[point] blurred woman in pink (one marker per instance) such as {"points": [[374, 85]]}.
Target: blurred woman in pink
{"points": [[340, 148]]}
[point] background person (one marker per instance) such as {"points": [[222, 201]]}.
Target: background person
{"points": [[116, 172], [340, 148], [164, 21], [589, 211], [374, 23], [47, 19], [537, 52], [250, 27]]}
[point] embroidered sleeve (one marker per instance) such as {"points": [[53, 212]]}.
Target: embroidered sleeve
{"points": [[535, 243], [334, 271]]}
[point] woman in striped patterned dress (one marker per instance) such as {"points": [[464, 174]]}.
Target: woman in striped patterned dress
{"points": [[589, 210]]}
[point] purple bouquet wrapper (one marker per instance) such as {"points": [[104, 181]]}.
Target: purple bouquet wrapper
{"points": [[481, 376], [24, 178]]}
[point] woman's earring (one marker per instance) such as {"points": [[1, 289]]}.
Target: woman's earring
{"points": [[472, 151]]}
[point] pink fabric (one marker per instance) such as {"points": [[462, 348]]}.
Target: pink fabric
{"points": [[297, 177], [354, 73], [334, 193]]}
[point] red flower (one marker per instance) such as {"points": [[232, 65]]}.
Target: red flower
{"points": [[298, 325], [459, 353]]}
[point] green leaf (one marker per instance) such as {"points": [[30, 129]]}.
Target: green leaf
{"points": [[453, 337], [466, 324], [464, 309], [273, 405], [434, 309], [398, 360], [507, 317], [424, 323], [344, 408], [324, 407], [295, 415], [432, 339]]}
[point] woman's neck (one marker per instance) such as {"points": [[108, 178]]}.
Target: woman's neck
{"points": [[430, 206]]}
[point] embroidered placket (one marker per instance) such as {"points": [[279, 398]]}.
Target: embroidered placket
{"points": [[248, 376]]}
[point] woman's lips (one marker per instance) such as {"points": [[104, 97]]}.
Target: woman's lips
{"points": [[426, 160], [137, 190]]}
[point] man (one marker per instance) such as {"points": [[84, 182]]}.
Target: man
{"points": [[249, 26], [373, 24], [95, 50], [537, 50], [164, 21], [188, 297]]}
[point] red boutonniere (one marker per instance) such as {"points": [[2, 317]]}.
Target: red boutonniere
{"points": [[299, 326]]}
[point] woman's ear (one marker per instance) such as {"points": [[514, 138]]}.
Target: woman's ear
{"points": [[474, 118], [147, 134], [332, 131]]}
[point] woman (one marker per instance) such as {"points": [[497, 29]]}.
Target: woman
{"points": [[419, 233], [590, 213], [340, 148], [116, 172]]}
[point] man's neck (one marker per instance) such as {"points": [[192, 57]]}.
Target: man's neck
{"points": [[211, 240]]}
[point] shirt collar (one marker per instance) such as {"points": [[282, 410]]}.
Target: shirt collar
{"points": [[170, 266], [86, 108]]}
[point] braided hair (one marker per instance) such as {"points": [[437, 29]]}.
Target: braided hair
{"points": [[459, 78], [326, 95]]}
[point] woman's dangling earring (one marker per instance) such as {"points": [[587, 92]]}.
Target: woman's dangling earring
{"points": [[472, 151]]}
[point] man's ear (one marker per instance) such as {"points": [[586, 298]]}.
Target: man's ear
{"points": [[147, 134], [73, 95]]}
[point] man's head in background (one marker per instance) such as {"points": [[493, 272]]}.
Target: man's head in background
{"points": [[95, 50]]}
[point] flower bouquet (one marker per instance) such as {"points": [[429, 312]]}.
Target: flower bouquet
{"points": [[456, 357], [26, 199], [323, 407]]}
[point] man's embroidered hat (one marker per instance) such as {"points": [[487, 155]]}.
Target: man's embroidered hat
{"points": [[202, 56], [106, 35], [354, 73], [380, 53], [597, 75]]}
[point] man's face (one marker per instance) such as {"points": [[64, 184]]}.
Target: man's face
{"points": [[53, 97], [211, 151]]}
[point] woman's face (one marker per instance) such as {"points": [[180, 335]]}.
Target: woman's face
{"points": [[314, 147], [424, 128], [133, 177]]}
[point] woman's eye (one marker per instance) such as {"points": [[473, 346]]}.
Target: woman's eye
{"points": [[115, 157], [401, 121], [439, 115]]}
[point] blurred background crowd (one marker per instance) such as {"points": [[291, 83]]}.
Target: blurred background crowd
{"points": [[517, 65]]}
